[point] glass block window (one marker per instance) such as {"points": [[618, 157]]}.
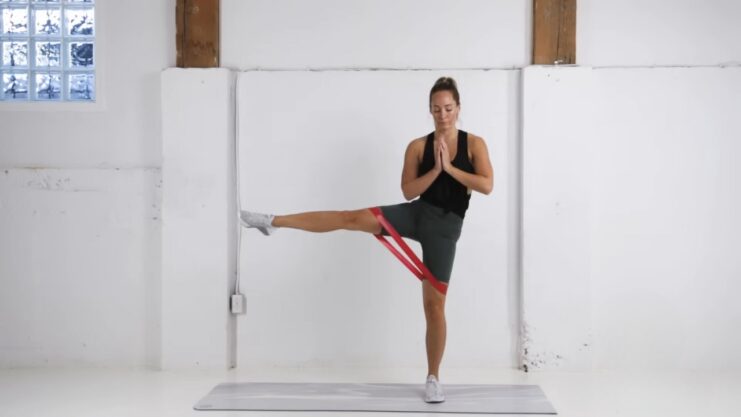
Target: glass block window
{"points": [[48, 50]]}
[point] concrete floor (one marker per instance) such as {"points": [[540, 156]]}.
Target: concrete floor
{"points": [[135, 393]]}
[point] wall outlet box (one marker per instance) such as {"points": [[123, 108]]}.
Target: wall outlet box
{"points": [[238, 304]]}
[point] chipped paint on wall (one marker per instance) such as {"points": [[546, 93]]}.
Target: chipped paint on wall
{"points": [[533, 356], [44, 180]]}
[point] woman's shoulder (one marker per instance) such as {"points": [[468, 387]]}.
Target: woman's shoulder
{"points": [[472, 137], [474, 140], [418, 142], [416, 148]]}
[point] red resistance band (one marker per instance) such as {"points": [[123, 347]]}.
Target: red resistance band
{"points": [[418, 268]]}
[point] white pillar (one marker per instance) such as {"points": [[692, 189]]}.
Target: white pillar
{"points": [[557, 312], [198, 219]]}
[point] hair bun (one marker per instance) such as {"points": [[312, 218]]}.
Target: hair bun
{"points": [[446, 84]]}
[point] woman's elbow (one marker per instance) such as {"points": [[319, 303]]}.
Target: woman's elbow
{"points": [[489, 187], [407, 196]]}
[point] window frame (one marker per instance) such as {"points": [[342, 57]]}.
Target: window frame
{"points": [[62, 104]]}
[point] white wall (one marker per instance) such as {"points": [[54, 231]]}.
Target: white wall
{"points": [[111, 243], [375, 34], [666, 202], [630, 218], [80, 267], [335, 140], [658, 32], [80, 207]]}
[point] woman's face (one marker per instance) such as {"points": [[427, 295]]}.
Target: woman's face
{"points": [[444, 109]]}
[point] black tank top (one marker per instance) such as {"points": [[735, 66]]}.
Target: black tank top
{"points": [[446, 192]]}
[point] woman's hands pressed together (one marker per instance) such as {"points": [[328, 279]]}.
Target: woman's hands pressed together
{"points": [[445, 156], [442, 156]]}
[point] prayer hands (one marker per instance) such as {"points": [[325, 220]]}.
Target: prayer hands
{"points": [[442, 155]]}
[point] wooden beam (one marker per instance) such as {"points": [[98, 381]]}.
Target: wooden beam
{"points": [[197, 33], [554, 32]]}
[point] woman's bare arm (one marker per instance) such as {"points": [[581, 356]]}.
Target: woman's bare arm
{"points": [[411, 186], [482, 180]]}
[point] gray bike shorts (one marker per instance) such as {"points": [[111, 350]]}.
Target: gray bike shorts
{"points": [[435, 230]]}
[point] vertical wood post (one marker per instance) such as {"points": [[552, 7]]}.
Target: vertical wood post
{"points": [[197, 36], [554, 32]]}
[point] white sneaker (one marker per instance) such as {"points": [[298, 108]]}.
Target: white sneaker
{"points": [[262, 222], [433, 390]]}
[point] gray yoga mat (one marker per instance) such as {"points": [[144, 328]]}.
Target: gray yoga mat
{"points": [[478, 399]]}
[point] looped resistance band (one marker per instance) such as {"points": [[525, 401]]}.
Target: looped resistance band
{"points": [[419, 269]]}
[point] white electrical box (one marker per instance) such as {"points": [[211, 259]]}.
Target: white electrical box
{"points": [[238, 304]]}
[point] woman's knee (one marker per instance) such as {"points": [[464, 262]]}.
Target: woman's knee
{"points": [[361, 220], [433, 301], [435, 314], [434, 309]]}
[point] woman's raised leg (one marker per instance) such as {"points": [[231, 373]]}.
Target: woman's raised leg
{"points": [[326, 221]]}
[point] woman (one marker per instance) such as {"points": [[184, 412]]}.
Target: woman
{"points": [[442, 169]]}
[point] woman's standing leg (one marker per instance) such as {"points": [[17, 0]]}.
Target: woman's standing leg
{"points": [[434, 305], [438, 252]]}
